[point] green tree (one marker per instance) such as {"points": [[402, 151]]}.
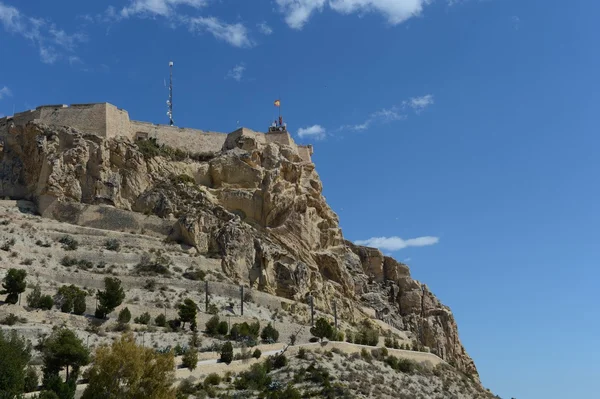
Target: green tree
{"points": [[222, 328], [31, 379], [190, 358], [227, 352], [322, 329], [124, 316], [129, 371], [144, 318], [46, 302], [161, 320], [62, 350], [79, 305], [269, 334], [33, 299], [68, 296], [212, 325], [187, 311], [15, 352], [47, 395], [110, 298], [14, 284]]}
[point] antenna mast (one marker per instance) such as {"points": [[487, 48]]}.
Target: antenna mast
{"points": [[170, 102]]}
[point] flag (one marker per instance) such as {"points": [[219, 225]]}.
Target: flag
{"points": [[277, 103]]}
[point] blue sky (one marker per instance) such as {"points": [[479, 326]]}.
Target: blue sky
{"points": [[459, 136]]}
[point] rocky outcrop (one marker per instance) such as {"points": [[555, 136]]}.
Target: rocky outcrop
{"points": [[256, 206]]}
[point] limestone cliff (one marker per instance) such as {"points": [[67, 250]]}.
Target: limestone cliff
{"points": [[257, 206]]}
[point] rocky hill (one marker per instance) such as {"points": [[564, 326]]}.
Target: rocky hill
{"points": [[250, 214]]}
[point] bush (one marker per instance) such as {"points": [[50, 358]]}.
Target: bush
{"points": [[46, 302], [144, 318], [153, 266], [31, 379], [47, 395], [69, 243], [212, 379], [322, 329], [160, 320], [124, 316], [213, 309], [222, 328], [365, 355], [293, 339], [183, 179], [79, 305], [227, 352], [279, 361], [301, 353], [269, 334], [257, 353], [43, 244], [190, 359], [212, 326], [195, 275], [33, 299], [112, 244]]}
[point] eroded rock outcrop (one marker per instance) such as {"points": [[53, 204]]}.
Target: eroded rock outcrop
{"points": [[258, 207]]}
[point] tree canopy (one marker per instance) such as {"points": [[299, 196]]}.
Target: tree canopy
{"points": [[110, 298], [322, 329], [14, 283], [128, 371], [187, 311], [15, 352]]}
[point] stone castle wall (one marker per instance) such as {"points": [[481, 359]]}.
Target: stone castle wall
{"points": [[106, 120]]}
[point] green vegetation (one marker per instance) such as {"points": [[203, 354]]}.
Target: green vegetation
{"points": [[227, 352], [14, 284], [124, 316], [110, 298], [121, 371], [322, 329], [144, 318], [269, 334], [62, 350], [69, 243], [160, 320], [187, 312], [153, 265], [112, 244], [15, 353], [8, 244], [195, 275], [190, 358], [71, 298], [36, 300]]}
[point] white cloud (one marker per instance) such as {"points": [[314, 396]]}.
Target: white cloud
{"points": [[5, 92], [315, 131], [384, 115], [234, 34], [298, 12], [75, 60], [264, 28], [397, 243], [163, 8], [419, 103], [44, 34], [237, 72]]}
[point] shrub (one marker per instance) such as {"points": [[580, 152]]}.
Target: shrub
{"points": [[227, 352], [46, 302], [144, 318], [112, 244], [43, 244], [222, 328], [8, 244], [322, 329], [31, 379], [365, 355], [160, 320], [269, 334], [124, 316], [256, 354], [27, 262], [293, 339], [195, 275], [279, 361], [153, 266], [187, 311], [212, 325], [213, 309], [33, 299], [71, 298], [212, 379], [183, 179], [301, 353], [190, 359], [69, 243], [79, 305], [110, 298]]}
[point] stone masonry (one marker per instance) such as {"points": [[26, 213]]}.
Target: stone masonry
{"points": [[106, 120]]}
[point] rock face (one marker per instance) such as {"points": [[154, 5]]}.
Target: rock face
{"points": [[258, 207]]}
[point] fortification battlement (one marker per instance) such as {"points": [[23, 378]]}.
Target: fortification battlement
{"points": [[107, 120]]}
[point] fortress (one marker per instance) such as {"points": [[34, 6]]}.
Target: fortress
{"points": [[106, 120]]}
